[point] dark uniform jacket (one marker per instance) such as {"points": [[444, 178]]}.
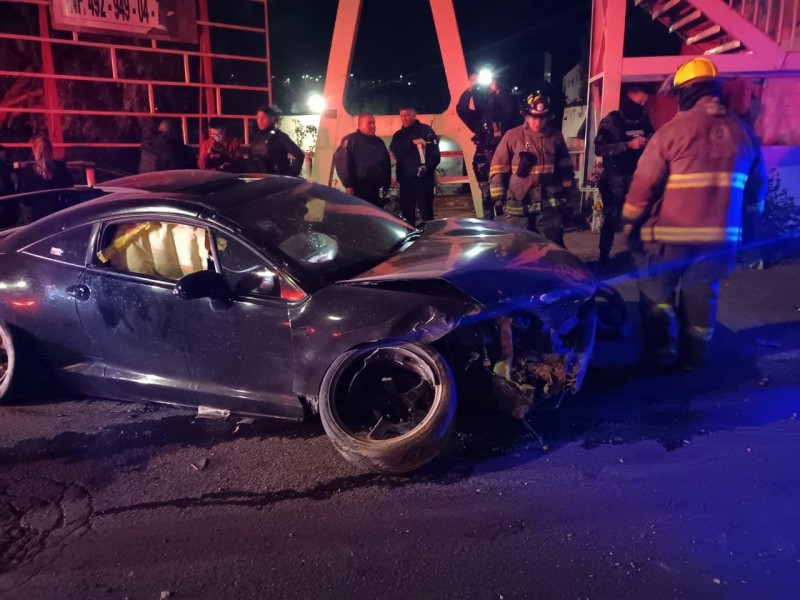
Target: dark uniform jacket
{"points": [[701, 177], [619, 162], [270, 151], [166, 153], [549, 178], [362, 161], [407, 156], [493, 114]]}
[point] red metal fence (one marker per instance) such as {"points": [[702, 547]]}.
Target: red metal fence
{"points": [[95, 92]]}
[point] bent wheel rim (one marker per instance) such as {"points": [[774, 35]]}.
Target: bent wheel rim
{"points": [[385, 394]]}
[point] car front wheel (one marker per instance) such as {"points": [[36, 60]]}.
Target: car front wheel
{"points": [[388, 408], [8, 364]]}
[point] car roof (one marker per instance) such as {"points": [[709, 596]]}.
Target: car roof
{"points": [[187, 181], [171, 182], [210, 193]]}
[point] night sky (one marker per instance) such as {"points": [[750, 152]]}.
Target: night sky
{"points": [[398, 38]]}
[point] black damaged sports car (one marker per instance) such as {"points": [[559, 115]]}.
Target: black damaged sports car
{"points": [[285, 298]]}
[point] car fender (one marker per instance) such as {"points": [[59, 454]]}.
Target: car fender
{"points": [[342, 317]]}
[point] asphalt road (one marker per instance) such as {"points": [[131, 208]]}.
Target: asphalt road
{"points": [[670, 486]]}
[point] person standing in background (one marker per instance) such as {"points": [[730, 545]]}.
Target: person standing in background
{"points": [[271, 150], [621, 139], [363, 163], [416, 151], [45, 173]]}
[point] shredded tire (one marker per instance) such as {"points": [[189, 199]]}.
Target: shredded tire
{"points": [[408, 451], [9, 376]]}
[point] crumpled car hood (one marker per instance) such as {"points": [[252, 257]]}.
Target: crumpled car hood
{"points": [[492, 262]]}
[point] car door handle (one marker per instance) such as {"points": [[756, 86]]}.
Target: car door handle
{"points": [[79, 292]]}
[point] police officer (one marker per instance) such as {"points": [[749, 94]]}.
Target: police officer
{"points": [[531, 172], [620, 140], [494, 113], [699, 182], [271, 150], [416, 150], [363, 163]]}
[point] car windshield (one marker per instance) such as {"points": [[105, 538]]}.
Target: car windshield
{"points": [[331, 234]]}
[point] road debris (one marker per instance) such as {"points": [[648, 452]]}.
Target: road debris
{"points": [[200, 464], [544, 446], [165, 594], [209, 412], [243, 421]]}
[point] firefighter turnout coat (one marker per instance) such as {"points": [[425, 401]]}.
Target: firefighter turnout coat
{"points": [[700, 180], [549, 175]]}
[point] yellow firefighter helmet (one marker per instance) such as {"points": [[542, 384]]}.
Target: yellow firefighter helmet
{"points": [[696, 70]]}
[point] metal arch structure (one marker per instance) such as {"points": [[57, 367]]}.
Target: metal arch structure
{"points": [[336, 122]]}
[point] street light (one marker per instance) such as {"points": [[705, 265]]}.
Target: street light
{"points": [[485, 76], [316, 103]]}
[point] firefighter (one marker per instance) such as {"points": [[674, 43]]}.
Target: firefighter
{"points": [[699, 186], [363, 163], [531, 173], [621, 138], [494, 113]]}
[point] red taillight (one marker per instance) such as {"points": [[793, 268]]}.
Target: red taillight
{"points": [[290, 292]]}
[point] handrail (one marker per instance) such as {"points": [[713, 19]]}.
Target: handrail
{"points": [[777, 19]]}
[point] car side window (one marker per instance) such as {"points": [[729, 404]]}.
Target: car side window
{"points": [[245, 271], [158, 249], [65, 246]]}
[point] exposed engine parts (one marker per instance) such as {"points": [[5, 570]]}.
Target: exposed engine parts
{"points": [[529, 362]]}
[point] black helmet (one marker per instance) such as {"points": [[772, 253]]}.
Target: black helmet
{"points": [[536, 105]]}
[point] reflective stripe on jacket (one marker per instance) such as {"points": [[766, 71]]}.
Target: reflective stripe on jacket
{"points": [[700, 179], [551, 173]]}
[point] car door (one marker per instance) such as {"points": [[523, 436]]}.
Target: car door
{"points": [[39, 286], [128, 309], [240, 353]]}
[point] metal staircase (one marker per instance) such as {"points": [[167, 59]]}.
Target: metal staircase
{"points": [[776, 19]]}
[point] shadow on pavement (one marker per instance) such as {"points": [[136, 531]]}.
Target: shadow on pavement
{"points": [[749, 380], [618, 405], [152, 434]]}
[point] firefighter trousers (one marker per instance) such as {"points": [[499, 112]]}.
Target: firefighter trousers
{"points": [[678, 293], [547, 223]]}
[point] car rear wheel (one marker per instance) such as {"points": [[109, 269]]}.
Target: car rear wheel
{"points": [[8, 364], [389, 409]]}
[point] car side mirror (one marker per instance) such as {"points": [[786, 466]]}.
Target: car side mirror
{"points": [[202, 284]]}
